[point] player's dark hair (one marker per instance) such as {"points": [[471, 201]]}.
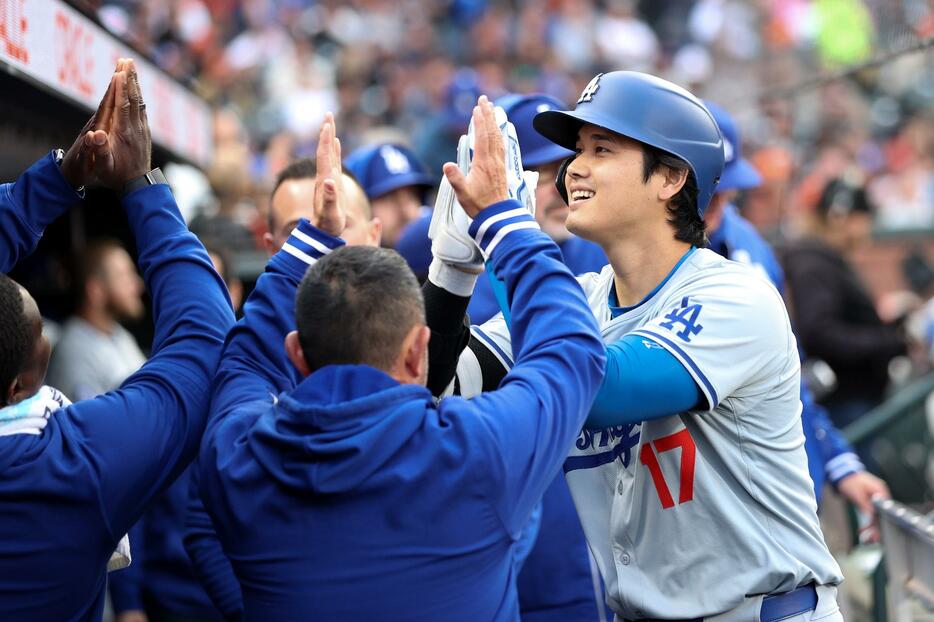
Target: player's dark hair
{"points": [[14, 333], [355, 306], [682, 208], [303, 168]]}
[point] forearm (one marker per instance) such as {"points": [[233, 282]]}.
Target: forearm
{"points": [[28, 206], [553, 332], [254, 363], [446, 316]]}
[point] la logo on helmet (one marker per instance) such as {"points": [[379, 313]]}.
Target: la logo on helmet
{"points": [[590, 89], [395, 161]]}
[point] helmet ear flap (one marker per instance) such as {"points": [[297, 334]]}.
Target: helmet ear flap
{"points": [[559, 179]]}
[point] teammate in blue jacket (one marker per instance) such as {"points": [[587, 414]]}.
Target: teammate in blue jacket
{"points": [[830, 457], [353, 494], [75, 477]]}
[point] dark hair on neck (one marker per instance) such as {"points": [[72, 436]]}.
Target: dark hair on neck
{"points": [[14, 333], [355, 306], [682, 208]]}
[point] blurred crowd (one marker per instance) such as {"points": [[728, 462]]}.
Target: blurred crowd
{"points": [[409, 71]]}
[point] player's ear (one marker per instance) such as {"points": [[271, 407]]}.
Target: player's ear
{"points": [[374, 231], [293, 348], [673, 180], [269, 243], [413, 366]]}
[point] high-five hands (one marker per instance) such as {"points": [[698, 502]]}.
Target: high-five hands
{"points": [[329, 212], [488, 170], [115, 145]]}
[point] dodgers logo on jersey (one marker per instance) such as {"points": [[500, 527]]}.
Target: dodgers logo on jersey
{"points": [[620, 441], [685, 316], [591, 89], [395, 161]]}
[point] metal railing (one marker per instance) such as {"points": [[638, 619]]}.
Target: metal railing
{"points": [[908, 542]]}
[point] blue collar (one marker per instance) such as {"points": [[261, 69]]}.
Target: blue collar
{"points": [[616, 310]]}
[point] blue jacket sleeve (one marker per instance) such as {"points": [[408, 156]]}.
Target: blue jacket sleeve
{"points": [[28, 206], [138, 439], [836, 454], [126, 586], [542, 402], [635, 368], [211, 566], [254, 365]]}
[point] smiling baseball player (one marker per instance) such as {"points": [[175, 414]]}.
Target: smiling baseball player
{"points": [[690, 478]]}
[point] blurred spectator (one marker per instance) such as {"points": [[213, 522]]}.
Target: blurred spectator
{"points": [[835, 316], [396, 183], [221, 260], [95, 354]]}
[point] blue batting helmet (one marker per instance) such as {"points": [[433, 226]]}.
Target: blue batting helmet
{"points": [[650, 110], [380, 169], [521, 110], [738, 173]]}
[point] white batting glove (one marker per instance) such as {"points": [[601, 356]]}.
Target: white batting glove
{"points": [[450, 242], [520, 183]]}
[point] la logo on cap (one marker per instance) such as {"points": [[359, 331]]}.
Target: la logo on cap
{"points": [[395, 161], [590, 89]]}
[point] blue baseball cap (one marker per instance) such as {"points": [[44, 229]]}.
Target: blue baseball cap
{"points": [[738, 173], [382, 168], [459, 99], [415, 246], [521, 109]]}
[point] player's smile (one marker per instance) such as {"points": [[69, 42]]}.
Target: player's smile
{"points": [[579, 195]]}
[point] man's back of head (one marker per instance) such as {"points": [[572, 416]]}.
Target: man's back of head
{"points": [[362, 305]]}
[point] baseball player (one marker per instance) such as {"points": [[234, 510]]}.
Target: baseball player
{"points": [[351, 494], [830, 457], [396, 183], [690, 477]]}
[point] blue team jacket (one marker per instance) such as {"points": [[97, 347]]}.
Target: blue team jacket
{"points": [[351, 496], [580, 256], [161, 570], [830, 456], [70, 493]]}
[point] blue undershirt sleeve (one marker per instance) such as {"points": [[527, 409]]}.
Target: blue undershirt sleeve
{"points": [[499, 292], [635, 369]]}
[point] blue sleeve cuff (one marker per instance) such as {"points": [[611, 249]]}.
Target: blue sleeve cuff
{"points": [[843, 465], [305, 246], [497, 221]]}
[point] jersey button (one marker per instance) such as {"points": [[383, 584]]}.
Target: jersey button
{"points": [[625, 559], [619, 487]]}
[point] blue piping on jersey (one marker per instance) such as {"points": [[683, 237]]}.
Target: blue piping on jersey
{"points": [[486, 338], [711, 393], [616, 311]]}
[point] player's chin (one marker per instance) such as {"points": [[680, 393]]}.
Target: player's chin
{"points": [[579, 224]]}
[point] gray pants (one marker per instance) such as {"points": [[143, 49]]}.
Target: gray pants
{"points": [[748, 611]]}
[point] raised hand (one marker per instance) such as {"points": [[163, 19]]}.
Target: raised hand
{"points": [[129, 139], [486, 182], [329, 211], [92, 142]]}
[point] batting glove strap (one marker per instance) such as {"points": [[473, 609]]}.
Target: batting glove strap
{"points": [[449, 278], [497, 221], [305, 246], [843, 465]]}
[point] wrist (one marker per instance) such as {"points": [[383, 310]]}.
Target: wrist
{"points": [[65, 166], [452, 279], [145, 180]]}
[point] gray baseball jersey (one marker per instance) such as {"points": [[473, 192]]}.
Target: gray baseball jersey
{"points": [[688, 514]]}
